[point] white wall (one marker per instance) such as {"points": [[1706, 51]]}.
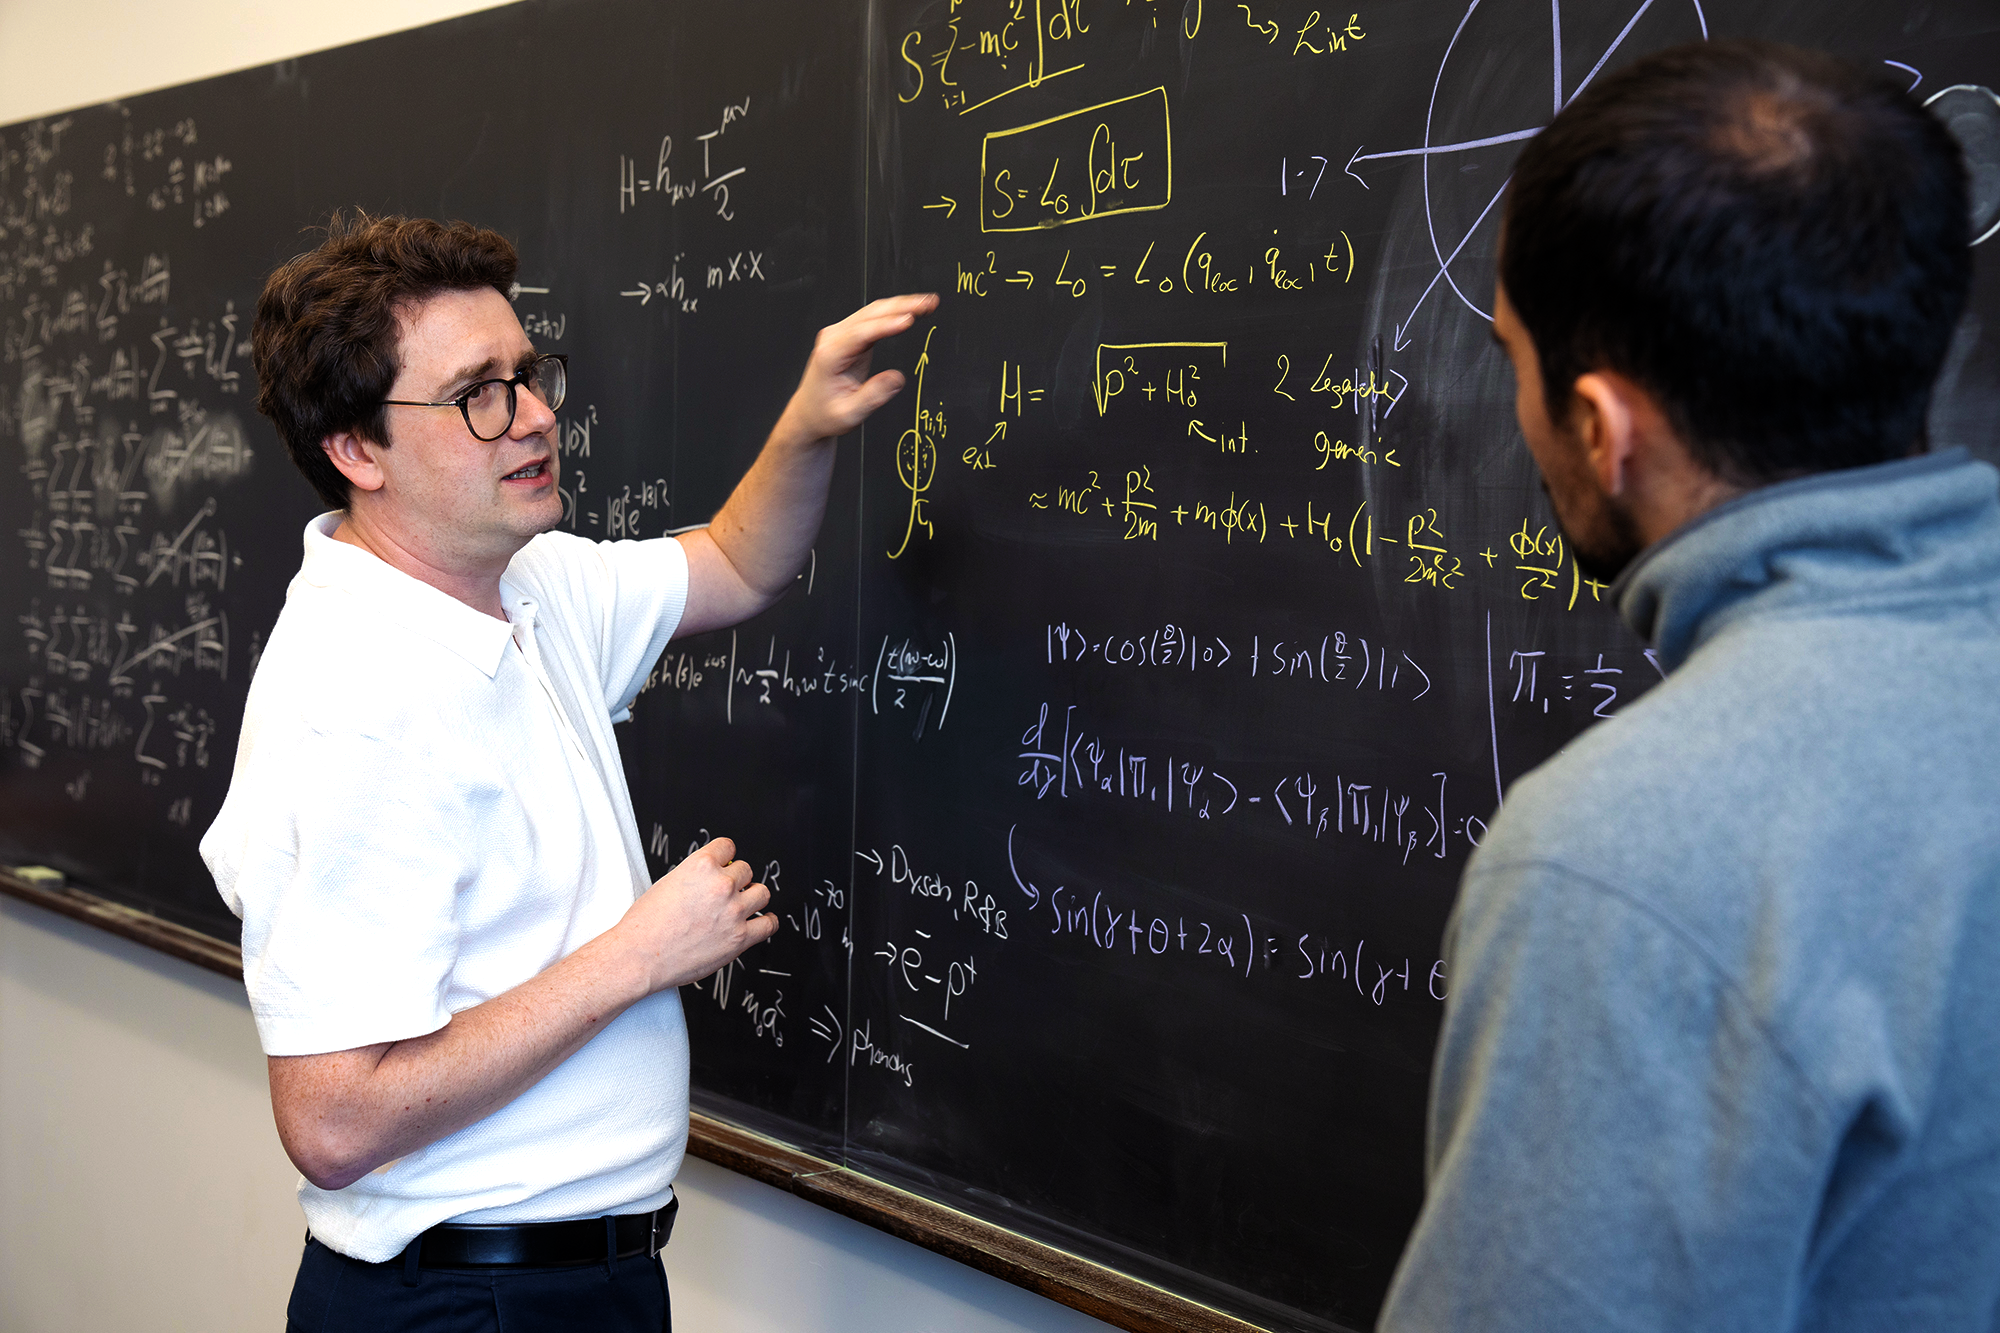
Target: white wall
{"points": [[58, 54], [141, 1181], [142, 1185]]}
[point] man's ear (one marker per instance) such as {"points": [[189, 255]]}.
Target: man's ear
{"points": [[1606, 418], [356, 459]]}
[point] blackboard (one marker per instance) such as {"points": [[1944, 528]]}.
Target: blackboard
{"points": [[1168, 642]]}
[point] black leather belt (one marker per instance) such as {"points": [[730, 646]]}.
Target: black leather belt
{"points": [[546, 1244], [597, 1240]]}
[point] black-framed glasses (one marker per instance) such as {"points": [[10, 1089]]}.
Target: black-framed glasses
{"points": [[488, 406]]}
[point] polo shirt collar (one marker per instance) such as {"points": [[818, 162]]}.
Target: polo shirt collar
{"points": [[411, 603]]}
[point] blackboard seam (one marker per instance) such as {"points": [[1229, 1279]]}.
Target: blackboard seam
{"points": [[868, 73]]}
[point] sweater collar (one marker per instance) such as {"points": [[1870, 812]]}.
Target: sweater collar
{"points": [[1874, 531]]}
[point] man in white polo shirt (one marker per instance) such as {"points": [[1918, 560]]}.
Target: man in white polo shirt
{"points": [[463, 981]]}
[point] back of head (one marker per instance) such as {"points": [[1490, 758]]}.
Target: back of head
{"points": [[1773, 242], [325, 345]]}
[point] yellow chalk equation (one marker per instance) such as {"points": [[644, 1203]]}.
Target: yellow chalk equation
{"points": [[1541, 556], [1137, 512], [1356, 387], [1332, 451], [1414, 547], [1112, 158], [1409, 547], [917, 454], [1014, 52], [1196, 271], [1423, 543], [1313, 37], [1181, 381]]}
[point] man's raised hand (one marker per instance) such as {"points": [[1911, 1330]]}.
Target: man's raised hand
{"points": [[836, 393]]}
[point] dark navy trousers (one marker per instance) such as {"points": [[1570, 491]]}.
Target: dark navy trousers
{"points": [[336, 1294]]}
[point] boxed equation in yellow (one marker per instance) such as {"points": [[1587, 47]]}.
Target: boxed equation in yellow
{"points": [[1116, 157]]}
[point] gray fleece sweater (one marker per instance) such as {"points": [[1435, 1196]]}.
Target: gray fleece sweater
{"points": [[1722, 1045]]}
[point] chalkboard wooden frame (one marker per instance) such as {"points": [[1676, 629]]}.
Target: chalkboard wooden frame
{"points": [[188, 945], [1103, 1293]]}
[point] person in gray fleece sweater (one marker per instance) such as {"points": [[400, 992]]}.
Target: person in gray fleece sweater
{"points": [[1722, 1045]]}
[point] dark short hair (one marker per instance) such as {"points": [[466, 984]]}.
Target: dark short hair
{"points": [[326, 341], [1773, 242]]}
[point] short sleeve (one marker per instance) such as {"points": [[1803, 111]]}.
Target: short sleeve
{"points": [[1615, 1143], [625, 600], [345, 874]]}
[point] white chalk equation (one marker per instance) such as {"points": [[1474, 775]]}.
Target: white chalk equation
{"points": [[1332, 658], [745, 266], [124, 391], [910, 679], [1238, 944], [1066, 758], [703, 174]]}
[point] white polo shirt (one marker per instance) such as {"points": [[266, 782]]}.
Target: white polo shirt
{"points": [[428, 809]]}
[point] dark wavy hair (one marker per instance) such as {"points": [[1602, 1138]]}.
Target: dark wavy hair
{"points": [[326, 343], [1772, 241]]}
